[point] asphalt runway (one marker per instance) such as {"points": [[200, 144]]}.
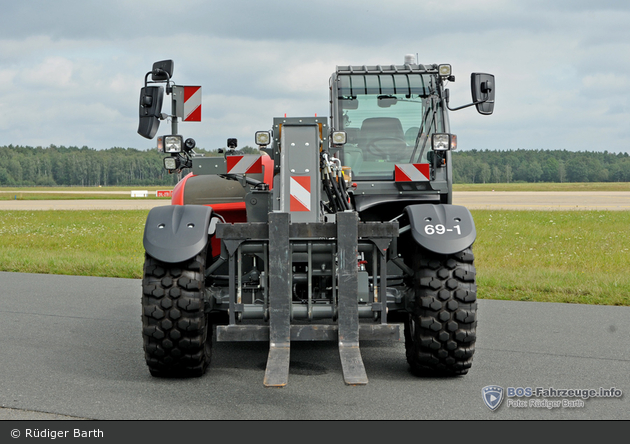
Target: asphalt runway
{"points": [[473, 200], [543, 200], [71, 348]]}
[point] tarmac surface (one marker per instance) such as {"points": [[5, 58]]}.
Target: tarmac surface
{"points": [[543, 200], [71, 348], [473, 200]]}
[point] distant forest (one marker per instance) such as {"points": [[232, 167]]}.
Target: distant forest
{"points": [[539, 166], [85, 167], [73, 166]]}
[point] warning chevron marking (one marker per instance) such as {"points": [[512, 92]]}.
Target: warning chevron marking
{"points": [[412, 172], [247, 164], [300, 193], [192, 103]]}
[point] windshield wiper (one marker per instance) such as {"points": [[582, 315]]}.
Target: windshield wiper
{"points": [[430, 107]]}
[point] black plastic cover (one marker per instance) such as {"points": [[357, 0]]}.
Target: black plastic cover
{"points": [[175, 233], [442, 229], [151, 98], [482, 87], [162, 70]]}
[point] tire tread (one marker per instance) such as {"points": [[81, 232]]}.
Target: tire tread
{"points": [[176, 332], [440, 333]]}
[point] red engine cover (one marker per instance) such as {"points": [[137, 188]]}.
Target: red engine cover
{"points": [[232, 212]]}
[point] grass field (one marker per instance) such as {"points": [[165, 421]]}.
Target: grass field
{"points": [[571, 257], [576, 257], [86, 243]]}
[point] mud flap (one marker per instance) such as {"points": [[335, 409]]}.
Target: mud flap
{"points": [[175, 233], [442, 229]]}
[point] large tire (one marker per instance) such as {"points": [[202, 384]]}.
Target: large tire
{"points": [[175, 327], [440, 332]]}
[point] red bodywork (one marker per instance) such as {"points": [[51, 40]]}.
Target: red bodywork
{"points": [[231, 212]]}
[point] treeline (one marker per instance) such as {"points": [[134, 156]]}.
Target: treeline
{"points": [[86, 167], [539, 166], [74, 166]]}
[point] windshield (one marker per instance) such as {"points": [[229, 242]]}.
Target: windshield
{"points": [[387, 127]]}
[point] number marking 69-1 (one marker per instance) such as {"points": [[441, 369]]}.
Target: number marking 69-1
{"points": [[441, 229]]}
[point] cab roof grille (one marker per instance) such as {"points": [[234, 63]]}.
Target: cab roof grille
{"points": [[388, 69]]}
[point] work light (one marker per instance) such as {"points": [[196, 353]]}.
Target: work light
{"points": [[443, 142], [263, 138], [445, 70], [171, 163], [339, 137], [173, 144]]}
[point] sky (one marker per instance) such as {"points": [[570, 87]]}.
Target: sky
{"points": [[71, 71]]}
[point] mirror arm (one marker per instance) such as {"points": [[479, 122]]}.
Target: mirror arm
{"points": [[168, 81], [465, 106]]}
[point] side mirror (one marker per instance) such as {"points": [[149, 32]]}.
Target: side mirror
{"points": [[482, 87], [162, 70], [151, 98]]}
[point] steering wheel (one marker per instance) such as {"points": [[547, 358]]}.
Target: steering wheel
{"points": [[394, 146]]}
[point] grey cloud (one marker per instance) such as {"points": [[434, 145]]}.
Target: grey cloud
{"points": [[72, 70], [353, 21]]}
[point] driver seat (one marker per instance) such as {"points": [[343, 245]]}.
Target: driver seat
{"points": [[382, 134]]}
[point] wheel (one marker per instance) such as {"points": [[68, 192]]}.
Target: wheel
{"points": [[440, 332], [176, 330]]}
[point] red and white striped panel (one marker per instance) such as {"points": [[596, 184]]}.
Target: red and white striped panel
{"points": [[248, 164], [412, 172], [300, 191], [192, 103]]}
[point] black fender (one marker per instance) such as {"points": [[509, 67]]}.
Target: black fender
{"points": [[442, 229], [175, 233]]}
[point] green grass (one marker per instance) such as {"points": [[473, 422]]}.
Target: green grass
{"points": [[576, 257], [569, 257], [85, 243]]}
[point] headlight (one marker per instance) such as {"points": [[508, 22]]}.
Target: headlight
{"points": [[171, 163], [339, 137], [263, 138], [443, 142], [173, 144]]}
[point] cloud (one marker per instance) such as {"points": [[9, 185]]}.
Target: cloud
{"points": [[52, 72], [72, 70]]}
